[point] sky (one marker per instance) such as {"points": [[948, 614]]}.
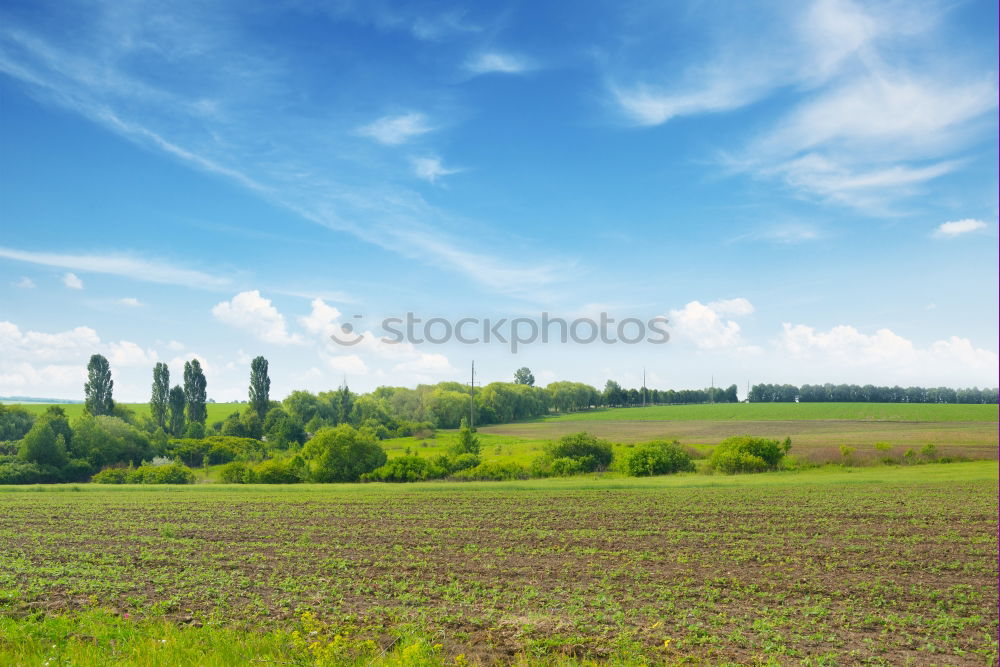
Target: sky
{"points": [[806, 191]]}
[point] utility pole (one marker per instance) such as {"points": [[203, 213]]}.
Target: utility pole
{"points": [[643, 387], [472, 398]]}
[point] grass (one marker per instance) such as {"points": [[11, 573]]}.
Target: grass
{"points": [[878, 565], [216, 411], [891, 412]]}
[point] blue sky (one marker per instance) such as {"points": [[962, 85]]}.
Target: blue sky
{"points": [[806, 190]]}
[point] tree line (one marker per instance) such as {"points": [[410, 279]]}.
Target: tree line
{"points": [[852, 393]]}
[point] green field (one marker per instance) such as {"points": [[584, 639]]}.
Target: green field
{"points": [[217, 412], [892, 412], [874, 565]]}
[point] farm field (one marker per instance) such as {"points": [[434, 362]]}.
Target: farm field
{"points": [[882, 565], [893, 412]]}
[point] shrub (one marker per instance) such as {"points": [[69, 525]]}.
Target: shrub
{"points": [[280, 471], [236, 473], [658, 458], [463, 462], [174, 473], [744, 453], [593, 453], [112, 476], [41, 445], [409, 469], [928, 451], [218, 449], [566, 466], [20, 472], [343, 454], [734, 462], [493, 471]]}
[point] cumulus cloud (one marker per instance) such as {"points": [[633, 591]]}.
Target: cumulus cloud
{"points": [[254, 314], [949, 230], [321, 318], [885, 351], [71, 281], [394, 130], [126, 353], [708, 326], [349, 364], [54, 364]]}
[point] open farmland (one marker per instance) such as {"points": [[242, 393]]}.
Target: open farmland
{"points": [[817, 429], [881, 565]]}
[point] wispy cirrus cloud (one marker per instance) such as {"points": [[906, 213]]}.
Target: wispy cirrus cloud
{"points": [[135, 268], [397, 129], [497, 62], [230, 120], [865, 121], [430, 168]]}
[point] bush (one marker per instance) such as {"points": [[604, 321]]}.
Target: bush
{"points": [[408, 469], [658, 458], [592, 453], [492, 471], [218, 449], [280, 471], [236, 473], [174, 473], [343, 454], [744, 453], [19, 472]]}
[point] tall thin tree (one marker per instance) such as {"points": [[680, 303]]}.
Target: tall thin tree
{"points": [[97, 391], [260, 386], [195, 392], [177, 403], [160, 400]]}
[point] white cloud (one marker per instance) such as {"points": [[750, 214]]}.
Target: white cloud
{"points": [[119, 265], [496, 62], [949, 230], [54, 364], [175, 345], [707, 326], [886, 353], [784, 234], [350, 364], [430, 168], [125, 353], [71, 281], [130, 301], [254, 314], [426, 363], [25, 283], [72, 345], [394, 130], [320, 320], [868, 123]]}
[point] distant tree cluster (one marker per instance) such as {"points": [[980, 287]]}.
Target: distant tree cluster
{"points": [[852, 393]]}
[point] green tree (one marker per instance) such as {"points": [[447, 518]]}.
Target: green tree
{"points": [[260, 387], [467, 442], [342, 454], [98, 388], [159, 402], [523, 375], [195, 393], [41, 445], [177, 403]]}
